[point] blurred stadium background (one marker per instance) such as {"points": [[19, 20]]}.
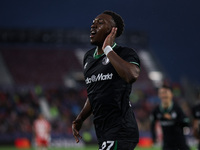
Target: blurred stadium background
{"points": [[42, 44]]}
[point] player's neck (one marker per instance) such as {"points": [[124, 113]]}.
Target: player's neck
{"points": [[99, 50], [167, 105]]}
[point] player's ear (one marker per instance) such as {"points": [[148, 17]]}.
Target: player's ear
{"points": [[109, 29]]}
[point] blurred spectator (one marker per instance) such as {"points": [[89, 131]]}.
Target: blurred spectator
{"points": [[42, 129], [19, 108]]}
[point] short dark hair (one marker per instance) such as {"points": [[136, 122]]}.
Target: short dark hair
{"points": [[165, 86], [118, 21]]}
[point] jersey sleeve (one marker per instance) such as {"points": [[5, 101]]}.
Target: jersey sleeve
{"points": [[131, 56], [153, 120], [87, 54]]}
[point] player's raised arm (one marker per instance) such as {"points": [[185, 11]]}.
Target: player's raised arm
{"points": [[128, 71], [77, 123]]}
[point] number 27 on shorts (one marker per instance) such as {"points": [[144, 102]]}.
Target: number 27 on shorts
{"points": [[107, 145]]}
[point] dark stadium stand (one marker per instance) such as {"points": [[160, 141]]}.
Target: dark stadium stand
{"points": [[30, 66]]}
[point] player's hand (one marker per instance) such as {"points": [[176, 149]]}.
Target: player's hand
{"points": [[167, 116], [110, 38], [76, 126]]}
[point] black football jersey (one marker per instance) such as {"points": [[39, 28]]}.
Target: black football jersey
{"points": [[109, 94], [173, 136]]}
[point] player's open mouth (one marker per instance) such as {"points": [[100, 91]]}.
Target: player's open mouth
{"points": [[92, 33]]}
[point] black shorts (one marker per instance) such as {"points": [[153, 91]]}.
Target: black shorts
{"points": [[117, 145]]}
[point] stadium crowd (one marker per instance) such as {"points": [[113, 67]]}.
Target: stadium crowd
{"points": [[20, 107]]}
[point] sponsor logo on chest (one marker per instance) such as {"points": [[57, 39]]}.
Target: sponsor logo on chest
{"points": [[99, 77], [167, 123]]}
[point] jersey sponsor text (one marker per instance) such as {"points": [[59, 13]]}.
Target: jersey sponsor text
{"points": [[99, 77]]}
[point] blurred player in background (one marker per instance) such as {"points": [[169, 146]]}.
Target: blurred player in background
{"points": [[196, 123], [172, 120], [109, 71], [42, 129]]}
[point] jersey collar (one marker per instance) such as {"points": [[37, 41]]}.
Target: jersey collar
{"points": [[168, 109], [95, 56]]}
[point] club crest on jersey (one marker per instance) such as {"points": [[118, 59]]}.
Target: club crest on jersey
{"points": [[174, 115], [105, 61]]}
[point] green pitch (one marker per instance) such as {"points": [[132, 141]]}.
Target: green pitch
{"points": [[71, 148], [83, 148]]}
